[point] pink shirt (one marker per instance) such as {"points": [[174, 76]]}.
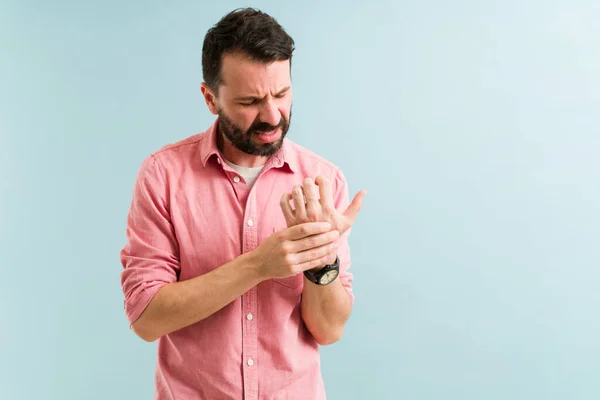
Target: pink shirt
{"points": [[192, 213]]}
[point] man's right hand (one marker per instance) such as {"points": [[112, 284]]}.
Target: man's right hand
{"points": [[294, 250]]}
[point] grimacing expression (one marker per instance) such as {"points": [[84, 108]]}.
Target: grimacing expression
{"points": [[245, 140], [254, 103]]}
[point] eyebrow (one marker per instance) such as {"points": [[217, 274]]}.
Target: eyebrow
{"points": [[249, 98]]}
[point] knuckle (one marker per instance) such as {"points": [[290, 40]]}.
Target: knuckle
{"points": [[285, 248], [288, 260]]}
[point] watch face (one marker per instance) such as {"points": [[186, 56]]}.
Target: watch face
{"points": [[328, 277]]}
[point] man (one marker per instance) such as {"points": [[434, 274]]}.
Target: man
{"points": [[223, 226]]}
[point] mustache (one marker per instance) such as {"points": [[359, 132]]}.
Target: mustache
{"points": [[266, 127]]}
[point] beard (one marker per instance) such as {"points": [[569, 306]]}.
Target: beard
{"points": [[243, 140]]}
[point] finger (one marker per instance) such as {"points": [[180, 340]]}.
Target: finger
{"points": [[286, 208], [305, 229], [331, 257], [316, 253], [325, 260], [354, 207], [299, 207], [313, 207], [314, 241], [326, 194]]}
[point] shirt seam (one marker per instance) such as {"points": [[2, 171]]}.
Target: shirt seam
{"points": [[188, 142]]}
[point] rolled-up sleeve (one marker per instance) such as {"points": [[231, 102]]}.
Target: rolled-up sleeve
{"points": [[342, 201], [150, 258]]}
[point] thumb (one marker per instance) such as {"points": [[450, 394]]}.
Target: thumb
{"points": [[354, 207]]}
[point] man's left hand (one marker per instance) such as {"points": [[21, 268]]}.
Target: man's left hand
{"points": [[308, 207]]}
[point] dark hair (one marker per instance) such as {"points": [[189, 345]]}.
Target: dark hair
{"points": [[250, 31]]}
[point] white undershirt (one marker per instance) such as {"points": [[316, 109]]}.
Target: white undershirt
{"points": [[249, 174]]}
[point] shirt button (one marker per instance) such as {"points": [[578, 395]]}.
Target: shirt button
{"points": [[250, 222], [250, 362], [236, 179], [249, 316]]}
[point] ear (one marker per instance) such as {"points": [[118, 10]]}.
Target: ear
{"points": [[209, 98]]}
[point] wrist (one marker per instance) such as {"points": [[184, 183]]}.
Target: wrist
{"points": [[253, 266], [331, 261], [317, 269], [324, 275]]}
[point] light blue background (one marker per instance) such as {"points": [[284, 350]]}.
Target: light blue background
{"points": [[474, 125]]}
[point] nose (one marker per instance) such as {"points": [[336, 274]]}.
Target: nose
{"points": [[270, 114]]}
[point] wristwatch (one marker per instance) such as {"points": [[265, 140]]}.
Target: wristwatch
{"points": [[325, 275]]}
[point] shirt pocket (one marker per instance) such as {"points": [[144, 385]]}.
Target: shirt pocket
{"points": [[292, 282]]}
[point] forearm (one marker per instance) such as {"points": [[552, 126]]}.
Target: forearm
{"points": [[180, 304], [325, 310]]}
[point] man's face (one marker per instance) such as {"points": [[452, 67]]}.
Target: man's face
{"points": [[254, 103]]}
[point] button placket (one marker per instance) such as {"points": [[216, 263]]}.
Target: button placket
{"points": [[249, 305]]}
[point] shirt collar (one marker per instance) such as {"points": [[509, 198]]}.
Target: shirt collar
{"points": [[209, 150]]}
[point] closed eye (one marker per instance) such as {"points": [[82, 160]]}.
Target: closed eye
{"points": [[282, 93], [250, 101]]}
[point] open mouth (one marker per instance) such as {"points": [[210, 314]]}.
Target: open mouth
{"points": [[269, 136]]}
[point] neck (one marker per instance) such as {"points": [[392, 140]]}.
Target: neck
{"points": [[236, 156]]}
